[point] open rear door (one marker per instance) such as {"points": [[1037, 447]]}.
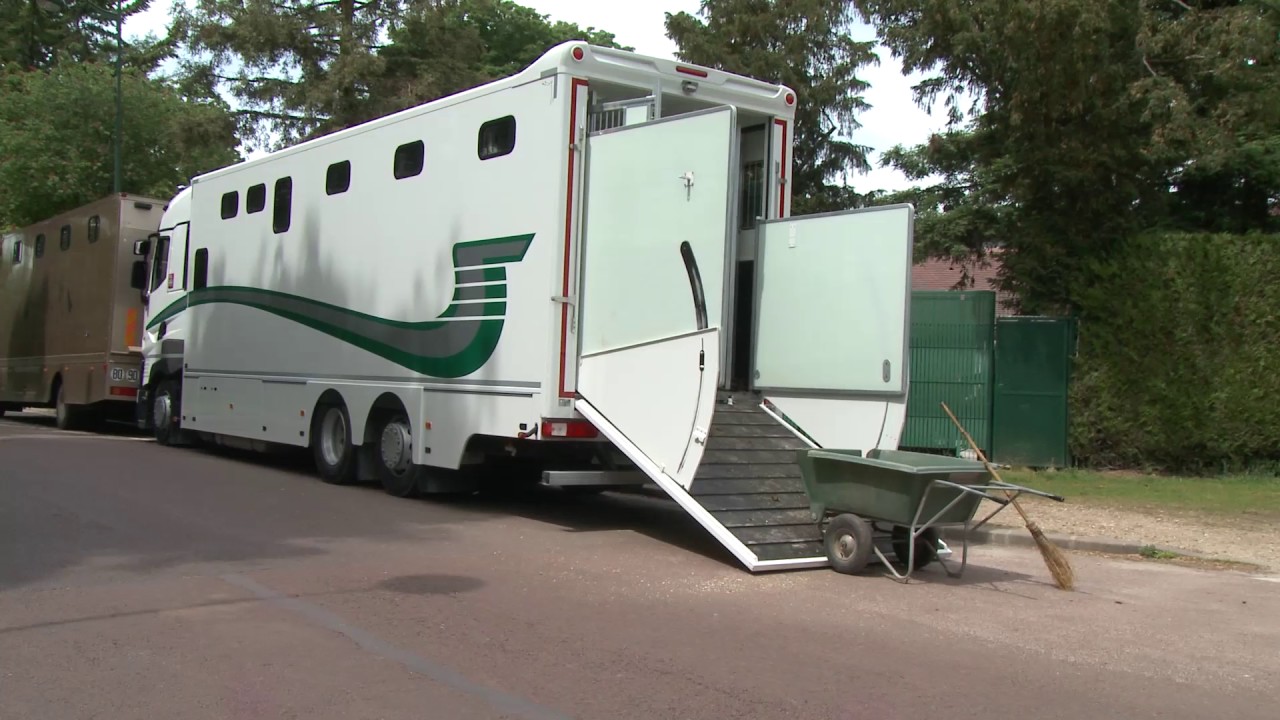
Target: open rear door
{"points": [[833, 297], [652, 286]]}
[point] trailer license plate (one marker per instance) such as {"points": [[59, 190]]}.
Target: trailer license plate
{"points": [[129, 375]]}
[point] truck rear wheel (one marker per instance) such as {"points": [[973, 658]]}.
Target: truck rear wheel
{"points": [[66, 417], [396, 471], [331, 445]]}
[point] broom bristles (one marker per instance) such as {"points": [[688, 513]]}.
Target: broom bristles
{"points": [[1054, 558]]}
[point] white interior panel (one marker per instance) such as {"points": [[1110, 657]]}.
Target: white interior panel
{"points": [[833, 297], [660, 396], [844, 423]]}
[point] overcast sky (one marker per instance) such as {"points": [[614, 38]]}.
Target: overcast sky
{"points": [[893, 117]]}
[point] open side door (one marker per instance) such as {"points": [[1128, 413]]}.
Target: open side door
{"points": [[833, 294], [655, 246]]}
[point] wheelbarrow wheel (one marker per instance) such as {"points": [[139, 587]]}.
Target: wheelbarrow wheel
{"points": [[848, 543], [926, 546]]}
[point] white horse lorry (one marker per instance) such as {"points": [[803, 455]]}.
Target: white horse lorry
{"points": [[584, 274]]}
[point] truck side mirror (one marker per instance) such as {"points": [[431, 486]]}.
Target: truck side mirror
{"points": [[138, 276], [141, 247]]}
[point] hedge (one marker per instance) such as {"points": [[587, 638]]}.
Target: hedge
{"points": [[1178, 364]]}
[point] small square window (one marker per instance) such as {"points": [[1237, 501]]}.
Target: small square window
{"points": [[255, 200], [282, 210], [64, 238], [40, 245], [409, 158], [201, 270], [230, 204], [338, 179], [95, 227], [497, 138]]}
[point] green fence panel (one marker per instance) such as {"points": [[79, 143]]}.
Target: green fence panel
{"points": [[1033, 375], [952, 347]]}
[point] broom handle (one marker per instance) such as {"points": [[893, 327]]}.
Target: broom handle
{"points": [[991, 469]]}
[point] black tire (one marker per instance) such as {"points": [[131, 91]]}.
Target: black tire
{"points": [[165, 425], [402, 481], [331, 446], [926, 546], [848, 543], [66, 417]]}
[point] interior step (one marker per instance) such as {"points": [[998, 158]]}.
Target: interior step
{"points": [[749, 481]]}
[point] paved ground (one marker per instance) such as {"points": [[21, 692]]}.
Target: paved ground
{"points": [[145, 582]]}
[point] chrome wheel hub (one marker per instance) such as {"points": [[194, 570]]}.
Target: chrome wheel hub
{"points": [[396, 446]]}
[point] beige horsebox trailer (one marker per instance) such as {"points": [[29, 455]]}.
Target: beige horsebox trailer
{"points": [[71, 310]]}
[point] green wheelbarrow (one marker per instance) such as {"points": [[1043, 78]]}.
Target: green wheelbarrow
{"points": [[897, 499]]}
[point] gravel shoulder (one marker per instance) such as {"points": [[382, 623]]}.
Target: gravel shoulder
{"points": [[1254, 540]]}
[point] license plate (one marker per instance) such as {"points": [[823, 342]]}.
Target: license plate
{"points": [[129, 375]]}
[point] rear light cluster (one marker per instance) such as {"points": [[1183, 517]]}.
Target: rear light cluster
{"points": [[569, 429]]}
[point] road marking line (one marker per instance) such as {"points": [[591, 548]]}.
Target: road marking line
{"points": [[415, 663], [1267, 578]]}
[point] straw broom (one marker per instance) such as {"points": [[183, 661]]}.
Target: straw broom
{"points": [[1054, 558]]}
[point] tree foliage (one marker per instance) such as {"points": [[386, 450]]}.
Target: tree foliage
{"points": [[303, 68], [1077, 124], [38, 34], [1177, 366], [55, 137], [450, 45], [804, 44]]}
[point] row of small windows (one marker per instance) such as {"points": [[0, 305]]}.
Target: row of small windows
{"points": [[496, 138], [93, 226]]}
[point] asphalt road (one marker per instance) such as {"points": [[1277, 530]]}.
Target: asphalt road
{"points": [[145, 582]]}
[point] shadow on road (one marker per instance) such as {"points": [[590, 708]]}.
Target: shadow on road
{"points": [[137, 508]]}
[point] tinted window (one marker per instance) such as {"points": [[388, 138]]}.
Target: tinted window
{"points": [[230, 204], [95, 224], [40, 245], [201, 269], [282, 210], [338, 179], [409, 159], [17, 251], [64, 238], [256, 199], [497, 138], [160, 262]]}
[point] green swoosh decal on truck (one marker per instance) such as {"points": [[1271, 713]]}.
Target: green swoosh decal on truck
{"points": [[455, 344]]}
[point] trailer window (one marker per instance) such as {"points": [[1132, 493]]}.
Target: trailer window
{"points": [[160, 262], [338, 178], [64, 238], [409, 159], [95, 226], [497, 138], [40, 246], [201, 269], [230, 204], [255, 200], [282, 210]]}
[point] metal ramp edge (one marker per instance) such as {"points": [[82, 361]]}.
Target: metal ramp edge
{"points": [[689, 503]]}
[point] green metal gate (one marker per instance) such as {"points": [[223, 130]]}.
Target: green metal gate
{"points": [[1033, 374], [952, 348]]}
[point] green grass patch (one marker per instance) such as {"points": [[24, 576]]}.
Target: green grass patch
{"points": [[1239, 495]]}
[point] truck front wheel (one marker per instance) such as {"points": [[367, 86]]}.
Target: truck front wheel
{"points": [[165, 409]]}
